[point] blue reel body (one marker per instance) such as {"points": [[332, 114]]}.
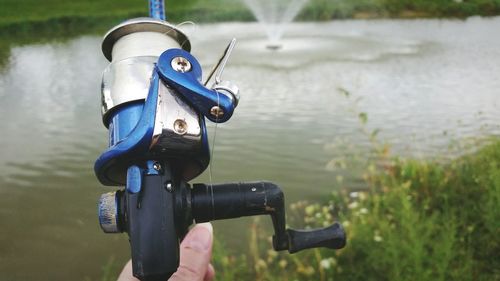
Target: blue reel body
{"points": [[132, 125]]}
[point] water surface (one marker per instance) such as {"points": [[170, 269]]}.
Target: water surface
{"points": [[423, 83]]}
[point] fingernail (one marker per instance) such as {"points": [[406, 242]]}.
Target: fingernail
{"points": [[200, 237]]}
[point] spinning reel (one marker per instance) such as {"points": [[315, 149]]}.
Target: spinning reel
{"points": [[155, 105]]}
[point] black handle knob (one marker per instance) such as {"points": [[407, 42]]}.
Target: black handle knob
{"points": [[332, 237]]}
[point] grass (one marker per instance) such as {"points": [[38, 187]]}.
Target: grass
{"points": [[15, 11], [31, 12], [96, 15], [328, 9], [31, 21]]}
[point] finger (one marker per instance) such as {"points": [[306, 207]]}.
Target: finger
{"points": [[196, 250], [210, 274], [126, 274]]}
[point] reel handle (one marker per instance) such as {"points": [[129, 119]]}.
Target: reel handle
{"points": [[233, 200]]}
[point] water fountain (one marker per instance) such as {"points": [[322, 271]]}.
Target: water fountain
{"points": [[275, 16], [306, 43]]}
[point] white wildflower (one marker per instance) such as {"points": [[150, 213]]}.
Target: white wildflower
{"points": [[353, 205], [325, 263]]}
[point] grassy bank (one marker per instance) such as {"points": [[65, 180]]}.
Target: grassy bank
{"points": [[31, 16], [31, 21], [419, 221], [330, 9], [31, 11]]}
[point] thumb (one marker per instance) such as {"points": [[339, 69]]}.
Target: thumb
{"points": [[196, 250]]}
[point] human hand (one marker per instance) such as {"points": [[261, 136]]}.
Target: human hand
{"points": [[195, 254]]}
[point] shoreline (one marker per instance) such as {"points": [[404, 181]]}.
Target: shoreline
{"points": [[88, 23], [32, 31]]}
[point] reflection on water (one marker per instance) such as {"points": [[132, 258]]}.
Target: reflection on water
{"points": [[422, 83]]}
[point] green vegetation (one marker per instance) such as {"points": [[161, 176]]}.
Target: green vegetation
{"points": [[330, 9], [93, 15], [32, 11], [420, 220], [31, 21]]}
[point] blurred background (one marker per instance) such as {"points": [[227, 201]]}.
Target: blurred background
{"points": [[382, 114]]}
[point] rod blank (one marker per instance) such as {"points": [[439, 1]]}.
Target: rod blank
{"points": [[157, 9]]}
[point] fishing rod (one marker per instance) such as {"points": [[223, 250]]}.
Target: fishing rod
{"points": [[154, 105]]}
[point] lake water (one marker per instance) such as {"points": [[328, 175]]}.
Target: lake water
{"points": [[422, 83]]}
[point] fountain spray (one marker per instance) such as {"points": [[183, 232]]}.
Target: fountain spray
{"points": [[155, 105], [275, 16]]}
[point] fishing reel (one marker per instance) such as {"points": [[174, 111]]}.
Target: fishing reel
{"points": [[155, 105]]}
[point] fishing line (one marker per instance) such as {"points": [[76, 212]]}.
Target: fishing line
{"points": [[221, 63], [186, 31], [210, 177], [212, 149], [186, 22]]}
